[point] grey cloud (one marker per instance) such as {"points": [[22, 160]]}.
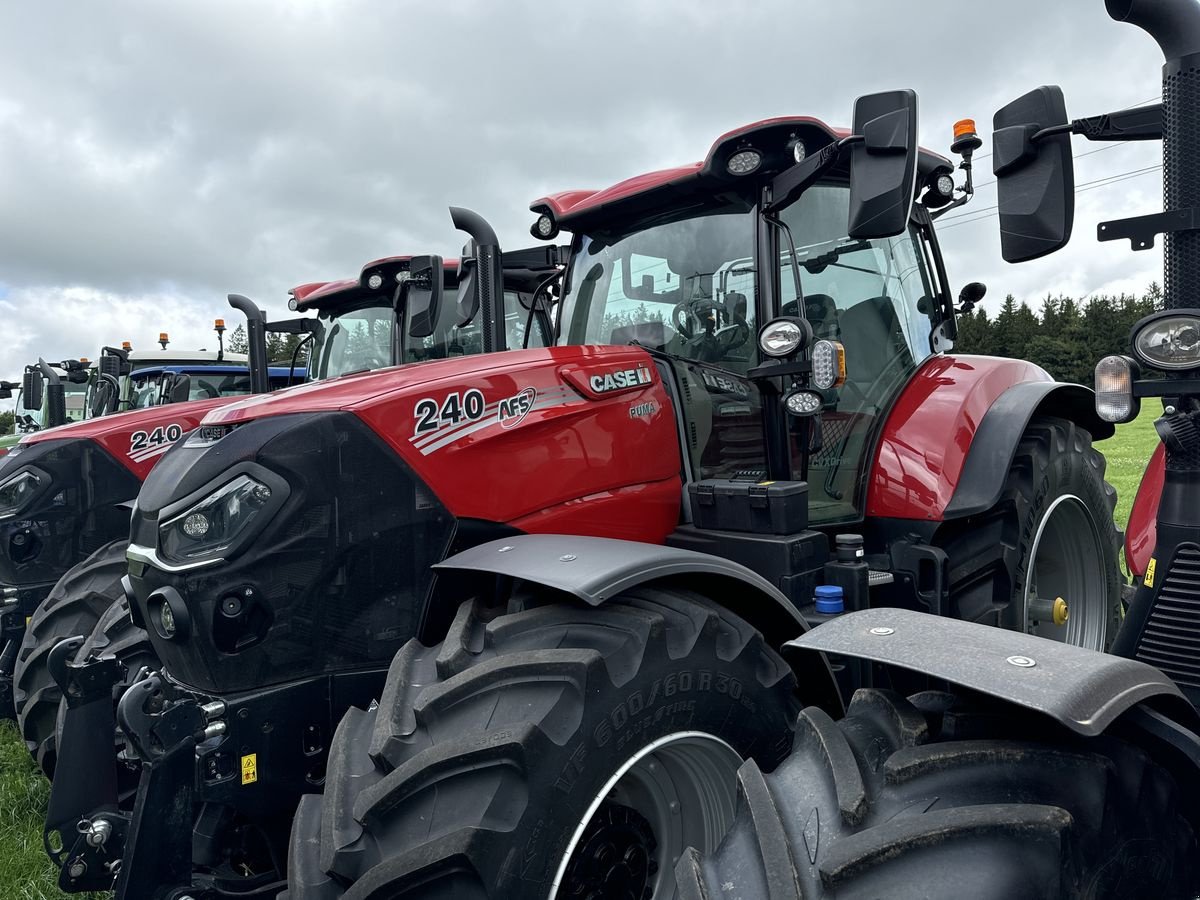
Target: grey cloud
{"points": [[155, 156]]}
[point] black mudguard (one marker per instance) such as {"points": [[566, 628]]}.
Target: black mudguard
{"points": [[995, 442]]}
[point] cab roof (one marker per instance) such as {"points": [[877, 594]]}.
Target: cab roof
{"points": [[771, 137], [182, 357], [330, 294]]}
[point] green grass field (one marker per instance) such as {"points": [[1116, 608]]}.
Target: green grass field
{"points": [[25, 872]]}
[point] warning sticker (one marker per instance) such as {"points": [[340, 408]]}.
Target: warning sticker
{"points": [[1149, 580], [250, 768]]}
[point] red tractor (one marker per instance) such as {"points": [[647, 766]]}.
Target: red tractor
{"points": [[1032, 769], [586, 555], [65, 495]]}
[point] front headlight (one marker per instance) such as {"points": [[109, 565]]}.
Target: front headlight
{"points": [[1168, 341], [17, 492], [218, 521]]}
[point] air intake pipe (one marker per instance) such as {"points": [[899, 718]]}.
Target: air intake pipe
{"points": [[256, 341], [1175, 25], [488, 276]]}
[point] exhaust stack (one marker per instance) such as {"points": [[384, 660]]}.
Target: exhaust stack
{"points": [[1175, 25]]}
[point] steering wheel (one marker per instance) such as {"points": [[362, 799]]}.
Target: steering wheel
{"points": [[208, 388], [696, 321]]}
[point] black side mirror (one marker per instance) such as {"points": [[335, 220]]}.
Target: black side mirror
{"points": [[467, 298], [1035, 178], [6, 389], [31, 390], [179, 388], [970, 295], [422, 295], [883, 166]]}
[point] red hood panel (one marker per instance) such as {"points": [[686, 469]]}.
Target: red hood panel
{"points": [[139, 437], [929, 432], [509, 435]]}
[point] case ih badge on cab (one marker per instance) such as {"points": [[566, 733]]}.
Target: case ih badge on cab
{"points": [[594, 650]]}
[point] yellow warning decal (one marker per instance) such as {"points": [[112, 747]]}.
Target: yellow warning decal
{"points": [[28, 619], [1149, 579], [250, 768]]}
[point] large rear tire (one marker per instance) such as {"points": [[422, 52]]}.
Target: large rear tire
{"points": [[71, 609], [546, 753], [1051, 535], [919, 798]]}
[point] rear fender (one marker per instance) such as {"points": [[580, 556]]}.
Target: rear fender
{"points": [[595, 570], [1141, 534], [1081, 689]]}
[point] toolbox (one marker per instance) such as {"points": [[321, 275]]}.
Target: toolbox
{"points": [[761, 507]]}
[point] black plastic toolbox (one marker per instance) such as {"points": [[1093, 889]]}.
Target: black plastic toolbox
{"points": [[760, 507]]}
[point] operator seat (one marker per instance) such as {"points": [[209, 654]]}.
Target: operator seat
{"points": [[874, 341], [822, 315]]}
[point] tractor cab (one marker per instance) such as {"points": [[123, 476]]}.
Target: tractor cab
{"points": [[158, 385], [691, 263], [33, 408], [361, 324]]}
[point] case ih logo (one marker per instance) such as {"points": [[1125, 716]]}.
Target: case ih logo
{"points": [[513, 409], [621, 380]]}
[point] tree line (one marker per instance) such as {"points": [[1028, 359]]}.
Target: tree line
{"points": [[280, 347], [1065, 337]]}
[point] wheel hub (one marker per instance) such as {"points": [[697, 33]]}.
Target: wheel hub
{"points": [[615, 858]]}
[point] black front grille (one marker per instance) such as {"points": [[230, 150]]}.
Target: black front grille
{"points": [[1171, 639]]}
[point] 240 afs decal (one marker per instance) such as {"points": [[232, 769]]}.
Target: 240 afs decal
{"points": [[145, 444], [455, 408]]}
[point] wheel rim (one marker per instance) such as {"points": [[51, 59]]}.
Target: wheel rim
{"points": [[678, 792], [1067, 561]]}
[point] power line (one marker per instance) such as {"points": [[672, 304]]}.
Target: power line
{"points": [[978, 215], [1085, 185], [1122, 109]]}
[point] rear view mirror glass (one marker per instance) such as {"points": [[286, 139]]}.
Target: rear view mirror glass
{"points": [[423, 295], [31, 390], [883, 167], [1035, 180], [467, 299]]}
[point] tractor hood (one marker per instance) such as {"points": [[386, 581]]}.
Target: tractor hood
{"points": [[294, 534], [138, 437], [64, 492]]}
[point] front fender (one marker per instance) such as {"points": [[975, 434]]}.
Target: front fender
{"points": [[1083, 690], [948, 442], [1142, 532], [597, 569]]}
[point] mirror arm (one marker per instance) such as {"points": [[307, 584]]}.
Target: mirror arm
{"points": [[790, 184]]}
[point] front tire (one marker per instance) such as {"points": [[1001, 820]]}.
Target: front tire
{"points": [[545, 752], [71, 609], [1051, 535], [929, 798]]}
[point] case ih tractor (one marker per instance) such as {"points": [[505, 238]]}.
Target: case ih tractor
{"points": [[1033, 770], [587, 555], [69, 491]]}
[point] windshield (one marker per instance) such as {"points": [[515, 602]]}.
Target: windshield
{"points": [[356, 338], [685, 287], [352, 339], [875, 297], [150, 391]]}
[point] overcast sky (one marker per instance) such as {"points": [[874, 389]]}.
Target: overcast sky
{"points": [[156, 156]]}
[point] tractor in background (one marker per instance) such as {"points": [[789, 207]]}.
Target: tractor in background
{"points": [[578, 563]]}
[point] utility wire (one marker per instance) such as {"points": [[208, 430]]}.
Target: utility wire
{"points": [[979, 215]]}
